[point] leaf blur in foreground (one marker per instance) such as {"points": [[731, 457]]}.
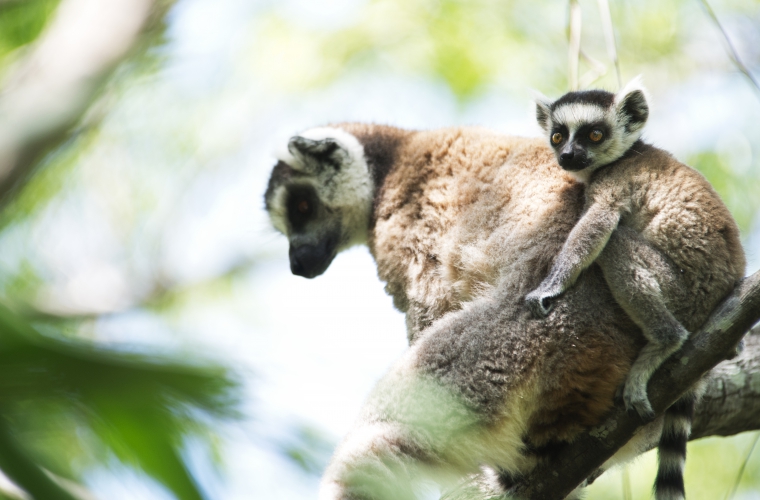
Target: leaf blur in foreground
{"points": [[139, 408]]}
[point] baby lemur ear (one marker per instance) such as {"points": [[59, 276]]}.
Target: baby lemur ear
{"points": [[314, 155], [631, 104], [543, 109]]}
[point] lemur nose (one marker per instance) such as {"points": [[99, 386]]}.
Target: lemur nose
{"points": [[566, 156]]}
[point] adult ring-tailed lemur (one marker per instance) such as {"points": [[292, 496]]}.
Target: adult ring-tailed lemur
{"points": [[462, 223]]}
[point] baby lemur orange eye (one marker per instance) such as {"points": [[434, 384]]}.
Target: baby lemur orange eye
{"points": [[303, 206], [596, 135], [556, 138]]}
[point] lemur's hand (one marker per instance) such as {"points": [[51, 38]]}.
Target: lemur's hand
{"points": [[541, 301]]}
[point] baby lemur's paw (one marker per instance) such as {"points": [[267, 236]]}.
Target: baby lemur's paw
{"points": [[635, 399], [540, 303]]}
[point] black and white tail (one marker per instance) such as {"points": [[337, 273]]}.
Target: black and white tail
{"points": [[676, 429]]}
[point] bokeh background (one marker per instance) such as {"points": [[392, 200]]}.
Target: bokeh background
{"points": [[142, 231]]}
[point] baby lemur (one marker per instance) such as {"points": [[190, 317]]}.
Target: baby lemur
{"points": [[666, 244]]}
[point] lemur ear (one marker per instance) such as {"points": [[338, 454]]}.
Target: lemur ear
{"points": [[543, 109], [632, 106], [314, 155]]}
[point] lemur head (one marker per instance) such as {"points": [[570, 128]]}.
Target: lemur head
{"points": [[320, 197], [592, 128]]}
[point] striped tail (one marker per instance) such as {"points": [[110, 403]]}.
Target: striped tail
{"points": [[676, 429]]}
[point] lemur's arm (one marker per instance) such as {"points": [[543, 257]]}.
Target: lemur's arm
{"points": [[584, 244]]}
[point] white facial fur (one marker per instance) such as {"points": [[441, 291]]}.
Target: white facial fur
{"points": [[576, 115], [348, 189]]}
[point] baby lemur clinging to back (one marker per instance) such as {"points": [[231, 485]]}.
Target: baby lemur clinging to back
{"points": [[667, 245]]}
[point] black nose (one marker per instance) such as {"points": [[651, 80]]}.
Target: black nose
{"points": [[310, 261], [567, 156], [296, 266], [304, 259]]}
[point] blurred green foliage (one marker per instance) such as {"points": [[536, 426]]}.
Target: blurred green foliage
{"points": [[474, 44], [61, 401], [68, 405], [739, 190], [21, 21], [466, 44], [308, 448], [711, 471], [50, 178]]}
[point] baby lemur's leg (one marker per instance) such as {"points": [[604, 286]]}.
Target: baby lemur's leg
{"points": [[647, 285]]}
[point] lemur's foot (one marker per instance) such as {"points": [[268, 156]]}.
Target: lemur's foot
{"points": [[635, 399]]}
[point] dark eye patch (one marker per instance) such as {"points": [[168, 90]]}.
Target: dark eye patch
{"points": [[302, 205], [582, 135], [559, 129]]}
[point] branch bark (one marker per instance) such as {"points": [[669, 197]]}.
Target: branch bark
{"points": [[731, 403], [723, 411], [50, 89]]}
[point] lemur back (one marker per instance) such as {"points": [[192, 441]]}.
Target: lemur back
{"points": [[676, 210], [665, 242]]}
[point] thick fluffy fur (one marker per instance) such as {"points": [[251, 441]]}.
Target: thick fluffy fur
{"points": [[464, 223], [667, 245]]}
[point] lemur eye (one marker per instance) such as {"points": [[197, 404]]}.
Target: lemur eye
{"points": [[596, 135], [303, 206], [556, 138]]}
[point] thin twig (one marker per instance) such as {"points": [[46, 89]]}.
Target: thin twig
{"points": [[626, 476], [597, 70], [575, 44], [609, 37], [741, 470], [732, 51]]}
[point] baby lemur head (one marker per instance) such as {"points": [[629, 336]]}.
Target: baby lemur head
{"points": [[592, 128]]}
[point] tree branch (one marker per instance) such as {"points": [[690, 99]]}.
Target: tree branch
{"points": [[731, 403], [555, 478], [50, 89]]}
